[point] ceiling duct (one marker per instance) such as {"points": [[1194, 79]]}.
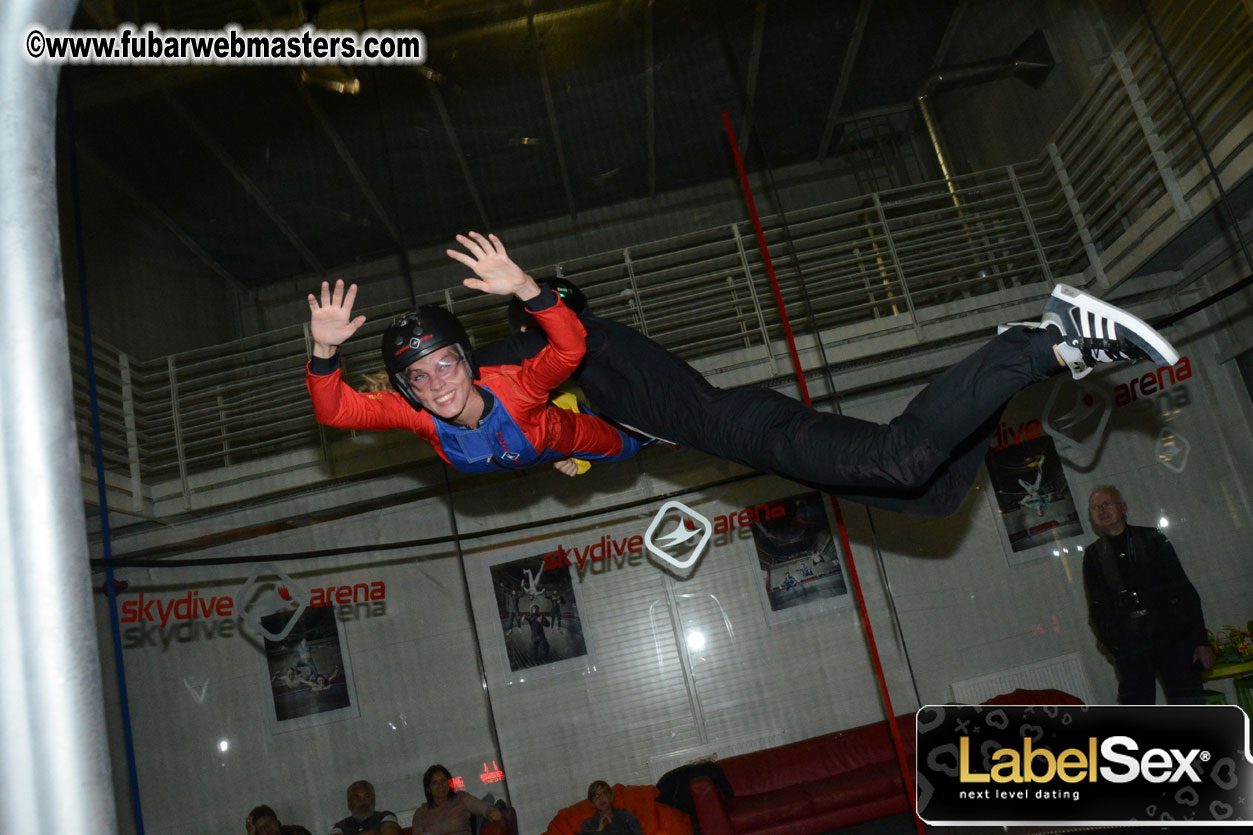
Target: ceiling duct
{"points": [[1031, 61], [337, 78]]}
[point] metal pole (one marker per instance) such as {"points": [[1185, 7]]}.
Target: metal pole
{"points": [[132, 433], [635, 290], [871, 645], [1151, 139], [54, 761], [761, 316], [896, 263], [178, 431], [1026, 217], [1076, 214]]}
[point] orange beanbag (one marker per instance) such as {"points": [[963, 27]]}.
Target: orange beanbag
{"points": [[655, 818]]}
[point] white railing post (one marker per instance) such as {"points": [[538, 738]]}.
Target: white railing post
{"points": [[1154, 142], [178, 431], [132, 434], [739, 311], [1026, 217], [222, 426], [635, 290], [1076, 214], [896, 262], [752, 291]]}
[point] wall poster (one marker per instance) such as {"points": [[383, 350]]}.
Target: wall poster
{"points": [[310, 677], [539, 613], [1030, 494], [802, 570]]}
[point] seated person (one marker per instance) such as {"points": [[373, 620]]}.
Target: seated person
{"points": [[448, 812], [608, 820], [262, 821], [365, 819]]}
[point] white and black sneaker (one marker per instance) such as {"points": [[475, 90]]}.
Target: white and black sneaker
{"points": [[1094, 331]]}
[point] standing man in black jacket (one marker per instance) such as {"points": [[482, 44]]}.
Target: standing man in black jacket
{"points": [[1142, 607]]}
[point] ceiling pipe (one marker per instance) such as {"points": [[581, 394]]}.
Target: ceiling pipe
{"points": [[1031, 61]]}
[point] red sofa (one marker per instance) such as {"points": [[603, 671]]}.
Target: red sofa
{"points": [[810, 786]]}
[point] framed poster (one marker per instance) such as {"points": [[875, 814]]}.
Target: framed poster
{"points": [[539, 611], [1031, 497], [802, 570], [310, 679]]}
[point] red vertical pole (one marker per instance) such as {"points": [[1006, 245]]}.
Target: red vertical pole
{"points": [[901, 759]]}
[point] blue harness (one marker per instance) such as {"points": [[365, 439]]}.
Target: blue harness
{"points": [[498, 443]]}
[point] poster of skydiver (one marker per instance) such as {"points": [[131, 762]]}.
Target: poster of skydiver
{"points": [[800, 563], [540, 624], [1033, 500], [310, 679]]}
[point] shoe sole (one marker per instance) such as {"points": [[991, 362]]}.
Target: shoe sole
{"points": [[1157, 348]]}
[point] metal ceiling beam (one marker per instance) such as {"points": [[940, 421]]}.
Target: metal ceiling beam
{"points": [[245, 182], [438, 99], [350, 163], [946, 40], [119, 184], [846, 72], [650, 98], [552, 119], [754, 65]]}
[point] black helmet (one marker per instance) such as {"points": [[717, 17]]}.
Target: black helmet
{"points": [[413, 336], [563, 287]]}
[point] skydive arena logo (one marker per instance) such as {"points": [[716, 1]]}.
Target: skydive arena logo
{"points": [[1180, 765], [683, 544]]}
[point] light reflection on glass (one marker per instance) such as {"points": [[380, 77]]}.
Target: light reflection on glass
{"points": [[695, 640], [224, 745], [1163, 522]]}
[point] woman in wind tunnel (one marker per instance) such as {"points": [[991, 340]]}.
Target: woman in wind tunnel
{"points": [[922, 462], [478, 420]]}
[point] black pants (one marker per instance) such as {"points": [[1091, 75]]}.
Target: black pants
{"points": [[1139, 664], [923, 462]]}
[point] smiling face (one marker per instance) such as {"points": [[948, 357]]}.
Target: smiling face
{"points": [[441, 382], [1109, 512]]}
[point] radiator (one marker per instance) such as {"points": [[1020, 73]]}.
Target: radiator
{"points": [[1065, 672]]}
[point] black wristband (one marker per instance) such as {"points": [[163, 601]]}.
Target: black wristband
{"points": [[324, 366]]}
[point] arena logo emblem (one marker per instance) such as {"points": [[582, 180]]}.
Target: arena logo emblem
{"points": [[291, 591], [690, 524], [1079, 431]]}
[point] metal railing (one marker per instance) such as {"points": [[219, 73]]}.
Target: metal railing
{"points": [[1123, 162]]}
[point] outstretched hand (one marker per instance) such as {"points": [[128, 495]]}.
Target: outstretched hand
{"points": [[497, 274], [331, 322]]}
